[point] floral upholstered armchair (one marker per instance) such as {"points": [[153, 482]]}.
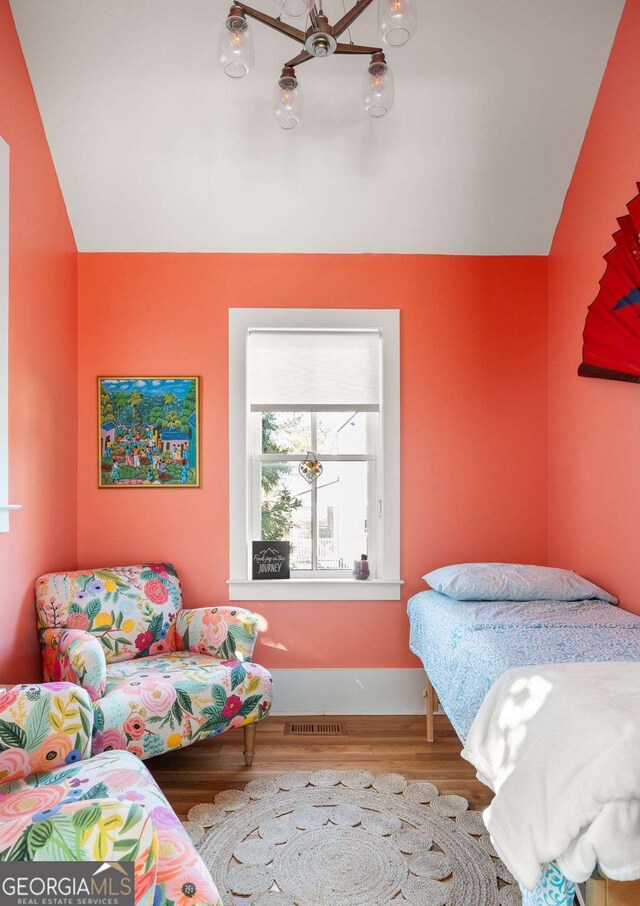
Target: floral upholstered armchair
{"points": [[160, 677], [55, 805]]}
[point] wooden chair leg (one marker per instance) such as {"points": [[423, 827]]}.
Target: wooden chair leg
{"points": [[430, 699], [249, 744]]}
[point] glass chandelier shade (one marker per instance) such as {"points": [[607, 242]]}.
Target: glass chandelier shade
{"points": [[235, 47], [398, 20], [295, 9], [378, 89], [288, 102]]}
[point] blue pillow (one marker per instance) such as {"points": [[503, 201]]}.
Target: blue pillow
{"points": [[513, 582]]}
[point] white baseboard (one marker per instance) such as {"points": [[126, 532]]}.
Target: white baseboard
{"points": [[354, 691]]}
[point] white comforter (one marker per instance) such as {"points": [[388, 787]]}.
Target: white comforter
{"points": [[560, 746]]}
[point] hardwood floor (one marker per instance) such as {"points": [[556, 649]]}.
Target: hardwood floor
{"points": [[376, 744]]}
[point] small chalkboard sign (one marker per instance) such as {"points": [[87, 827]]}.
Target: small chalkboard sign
{"points": [[271, 560]]}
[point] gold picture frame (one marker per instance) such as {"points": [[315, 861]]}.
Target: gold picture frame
{"points": [[149, 432]]}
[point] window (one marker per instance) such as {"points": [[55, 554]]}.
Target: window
{"points": [[4, 337], [321, 382]]}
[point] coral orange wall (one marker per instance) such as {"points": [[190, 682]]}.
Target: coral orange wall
{"points": [[474, 420], [594, 425], [474, 394], [43, 367]]}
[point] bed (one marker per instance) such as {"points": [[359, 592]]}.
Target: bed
{"points": [[466, 646]]}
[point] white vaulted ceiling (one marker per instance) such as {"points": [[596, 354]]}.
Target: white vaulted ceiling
{"points": [[156, 150]]}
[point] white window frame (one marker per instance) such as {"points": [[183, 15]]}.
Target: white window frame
{"points": [[5, 506], [384, 507]]}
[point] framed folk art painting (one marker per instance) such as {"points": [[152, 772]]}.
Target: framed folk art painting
{"points": [[149, 432]]}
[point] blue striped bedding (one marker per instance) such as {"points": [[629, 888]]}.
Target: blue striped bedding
{"points": [[466, 646]]}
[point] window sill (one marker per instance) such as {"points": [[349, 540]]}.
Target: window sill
{"points": [[315, 590], [5, 509]]}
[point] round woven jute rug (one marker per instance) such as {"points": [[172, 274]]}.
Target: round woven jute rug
{"points": [[333, 838]]}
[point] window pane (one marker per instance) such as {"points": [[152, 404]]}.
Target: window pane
{"points": [[286, 432], [342, 514], [342, 432], [285, 509]]}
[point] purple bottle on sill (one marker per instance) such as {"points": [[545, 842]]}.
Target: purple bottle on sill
{"points": [[361, 568]]}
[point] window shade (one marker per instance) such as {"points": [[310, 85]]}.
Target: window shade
{"points": [[293, 370]]}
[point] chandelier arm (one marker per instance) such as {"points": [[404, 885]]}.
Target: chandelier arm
{"points": [[313, 15], [301, 58], [276, 24], [343, 24], [356, 49]]}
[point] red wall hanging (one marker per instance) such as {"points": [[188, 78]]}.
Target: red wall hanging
{"points": [[611, 347]]}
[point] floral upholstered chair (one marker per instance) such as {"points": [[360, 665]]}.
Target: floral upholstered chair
{"points": [[57, 806], [160, 677]]}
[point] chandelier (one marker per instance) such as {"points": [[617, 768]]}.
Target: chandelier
{"points": [[397, 22]]}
